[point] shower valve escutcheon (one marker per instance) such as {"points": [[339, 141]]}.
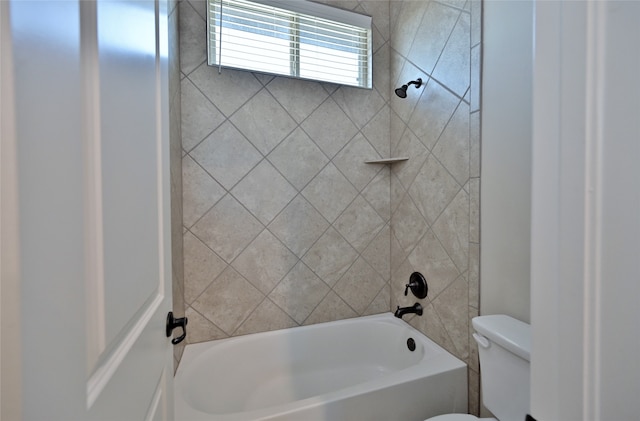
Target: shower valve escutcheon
{"points": [[417, 284]]}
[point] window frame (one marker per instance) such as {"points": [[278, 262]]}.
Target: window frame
{"points": [[364, 78]]}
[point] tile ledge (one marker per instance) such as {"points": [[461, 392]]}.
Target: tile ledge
{"points": [[386, 160]]}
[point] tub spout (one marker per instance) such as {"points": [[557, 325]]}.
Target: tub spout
{"points": [[401, 311]]}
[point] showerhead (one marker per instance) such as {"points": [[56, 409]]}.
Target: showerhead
{"points": [[402, 91]]}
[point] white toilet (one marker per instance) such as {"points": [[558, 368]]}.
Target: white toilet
{"points": [[504, 344]]}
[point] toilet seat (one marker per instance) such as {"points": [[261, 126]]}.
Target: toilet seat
{"points": [[459, 417]]}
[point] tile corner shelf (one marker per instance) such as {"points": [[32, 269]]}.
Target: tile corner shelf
{"points": [[386, 160]]}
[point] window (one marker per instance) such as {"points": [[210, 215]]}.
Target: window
{"points": [[295, 38]]}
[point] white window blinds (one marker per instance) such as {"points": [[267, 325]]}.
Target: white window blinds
{"points": [[295, 38]]}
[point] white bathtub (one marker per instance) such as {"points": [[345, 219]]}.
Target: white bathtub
{"points": [[357, 370]]}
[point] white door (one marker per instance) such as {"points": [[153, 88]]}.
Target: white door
{"points": [[585, 279], [91, 133]]}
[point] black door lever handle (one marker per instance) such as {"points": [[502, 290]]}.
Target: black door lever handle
{"points": [[173, 323]]}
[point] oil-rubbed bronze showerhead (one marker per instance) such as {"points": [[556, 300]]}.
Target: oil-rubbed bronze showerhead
{"points": [[402, 91]]}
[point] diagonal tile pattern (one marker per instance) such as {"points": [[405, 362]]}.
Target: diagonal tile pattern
{"points": [[330, 192], [263, 121], [435, 198], [329, 127], [299, 226], [227, 228], [279, 201], [226, 155], [286, 225], [264, 192], [309, 158]]}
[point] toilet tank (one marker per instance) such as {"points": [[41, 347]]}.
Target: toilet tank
{"points": [[504, 344]]}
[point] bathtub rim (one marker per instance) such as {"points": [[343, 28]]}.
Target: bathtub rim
{"points": [[443, 362]]}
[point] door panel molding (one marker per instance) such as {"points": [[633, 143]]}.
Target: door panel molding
{"points": [[103, 374]]}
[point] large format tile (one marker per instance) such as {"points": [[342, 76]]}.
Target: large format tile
{"points": [[227, 228], [399, 279], [451, 306], [228, 90], [298, 158], [200, 6], [299, 97], [431, 114], [452, 149], [408, 17], [398, 191], [377, 193], [432, 260], [331, 308], [431, 325], [407, 224], [193, 38], [228, 301], [433, 189], [199, 116], [330, 192], [379, 11], [265, 262], [264, 192], [359, 286], [351, 161], [361, 105], [199, 191], [381, 303], [201, 329], [398, 254], [299, 292], [226, 155], [329, 127], [452, 228], [263, 121], [452, 69], [299, 226], [404, 107], [382, 73], [267, 316], [409, 146], [432, 35], [377, 132], [201, 267], [330, 256], [359, 224], [377, 253]]}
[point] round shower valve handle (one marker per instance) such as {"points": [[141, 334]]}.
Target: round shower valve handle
{"points": [[417, 284]]}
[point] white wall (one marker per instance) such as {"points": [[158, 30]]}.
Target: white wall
{"points": [[586, 202], [506, 158]]}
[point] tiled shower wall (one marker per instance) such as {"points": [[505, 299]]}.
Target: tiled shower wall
{"points": [[284, 224], [435, 194]]}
